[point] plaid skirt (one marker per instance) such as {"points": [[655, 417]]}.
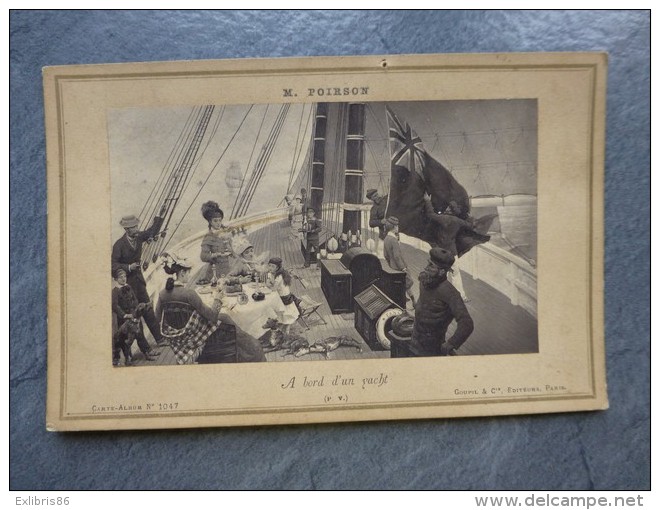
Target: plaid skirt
{"points": [[188, 342]]}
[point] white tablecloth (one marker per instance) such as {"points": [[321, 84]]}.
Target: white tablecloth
{"points": [[251, 316]]}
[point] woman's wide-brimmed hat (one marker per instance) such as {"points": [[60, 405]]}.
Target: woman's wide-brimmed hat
{"points": [[180, 261], [129, 221], [241, 244]]}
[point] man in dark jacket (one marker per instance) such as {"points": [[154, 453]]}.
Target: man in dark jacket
{"points": [[439, 303], [126, 255], [377, 212], [312, 228], [377, 217]]}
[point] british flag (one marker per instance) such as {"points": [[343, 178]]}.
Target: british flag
{"points": [[406, 147]]}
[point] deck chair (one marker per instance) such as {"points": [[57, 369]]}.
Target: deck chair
{"points": [[308, 308], [220, 347]]}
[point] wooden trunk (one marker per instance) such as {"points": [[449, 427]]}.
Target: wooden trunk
{"points": [[336, 284], [393, 284]]}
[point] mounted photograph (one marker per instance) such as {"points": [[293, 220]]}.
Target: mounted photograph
{"points": [[309, 240]]}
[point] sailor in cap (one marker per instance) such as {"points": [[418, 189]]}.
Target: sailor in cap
{"points": [[392, 252], [438, 305]]}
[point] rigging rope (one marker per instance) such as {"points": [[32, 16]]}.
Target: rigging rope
{"points": [[179, 178], [156, 194], [167, 162], [159, 199], [309, 118], [179, 182], [262, 160], [176, 164], [209, 175], [254, 146], [197, 162], [261, 164], [296, 153]]}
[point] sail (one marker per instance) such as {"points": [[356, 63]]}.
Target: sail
{"points": [[233, 176]]}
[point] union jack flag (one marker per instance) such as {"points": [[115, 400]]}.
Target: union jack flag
{"points": [[406, 148]]}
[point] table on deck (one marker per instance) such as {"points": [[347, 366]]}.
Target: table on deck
{"points": [[251, 316]]}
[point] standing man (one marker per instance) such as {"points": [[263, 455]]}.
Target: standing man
{"points": [[303, 199], [126, 255], [392, 252], [377, 217], [312, 229], [439, 303]]}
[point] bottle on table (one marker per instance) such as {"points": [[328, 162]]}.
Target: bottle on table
{"points": [[214, 277]]}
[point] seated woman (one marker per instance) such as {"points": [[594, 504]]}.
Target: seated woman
{"points": [[280, 280], [209, 319], [216, 245], [247, 265]]}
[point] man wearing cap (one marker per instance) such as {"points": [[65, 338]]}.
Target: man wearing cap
{"points": [[377, 216], [126, 255], [392, 252], [312, 228], [438, 305]]}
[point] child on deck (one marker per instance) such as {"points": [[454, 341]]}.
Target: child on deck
{"points": [[125, 308], [280, 280]]}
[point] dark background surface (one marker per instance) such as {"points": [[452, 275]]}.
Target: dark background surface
{"points": [[599, 450]]}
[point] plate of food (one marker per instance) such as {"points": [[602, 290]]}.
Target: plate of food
{"points": [[233, 289]]}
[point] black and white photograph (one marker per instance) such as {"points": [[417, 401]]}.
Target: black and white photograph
{"points": [[323, 231]]}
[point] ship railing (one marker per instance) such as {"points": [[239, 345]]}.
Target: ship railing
{"points": [[507, 272]]}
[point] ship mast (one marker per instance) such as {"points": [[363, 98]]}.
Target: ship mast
{"points": [[318, 159], [354, 168]]}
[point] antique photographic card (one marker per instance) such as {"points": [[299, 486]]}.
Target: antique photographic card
{"points": [[275, 241]]}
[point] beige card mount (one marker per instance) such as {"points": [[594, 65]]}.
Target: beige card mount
{"points": [[274, 241]]}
